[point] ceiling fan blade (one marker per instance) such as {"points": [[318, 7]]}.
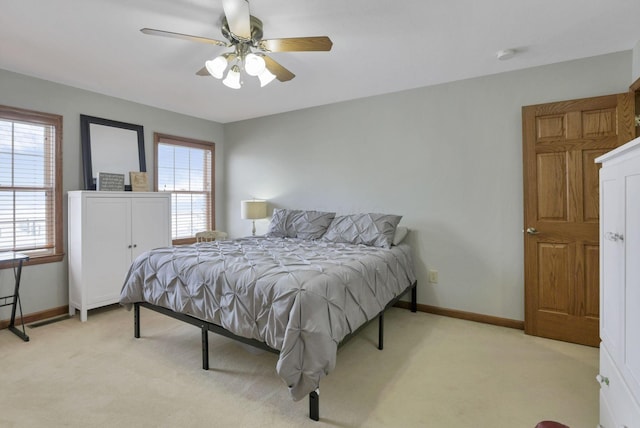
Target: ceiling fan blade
{"points": [[153, 32], [297, 44], [281, 73], [237, 13]]}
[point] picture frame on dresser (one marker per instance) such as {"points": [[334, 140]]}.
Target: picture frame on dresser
{"points": [[110, 145]]}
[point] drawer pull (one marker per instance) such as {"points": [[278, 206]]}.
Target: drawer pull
{"points": [[603, 380]]}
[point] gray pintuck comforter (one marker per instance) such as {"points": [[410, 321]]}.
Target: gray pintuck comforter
{"points": [[299, 297]]}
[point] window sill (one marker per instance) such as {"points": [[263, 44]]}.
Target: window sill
{"points": [[183, 241]]}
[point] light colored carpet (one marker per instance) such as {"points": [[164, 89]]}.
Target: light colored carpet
{"points": [[434, 372]]}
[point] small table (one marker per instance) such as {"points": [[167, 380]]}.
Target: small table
{"points": [[19, 258]]}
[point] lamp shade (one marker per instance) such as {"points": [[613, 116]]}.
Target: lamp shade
{"points": [[251, 210], [217, 66], [254, 64], [233, 78], [265, 77]]}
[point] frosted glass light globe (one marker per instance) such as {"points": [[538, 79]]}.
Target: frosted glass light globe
{"points": [[216, 66], [233, 78], [254, 64], [265, 78]]}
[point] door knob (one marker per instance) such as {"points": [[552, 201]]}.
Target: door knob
{"points": [[532, 231]]}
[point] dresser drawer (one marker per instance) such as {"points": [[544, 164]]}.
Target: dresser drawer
{"points": [[617, 406]]}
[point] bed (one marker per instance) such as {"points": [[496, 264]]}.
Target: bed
{"points": [[300, 291]]}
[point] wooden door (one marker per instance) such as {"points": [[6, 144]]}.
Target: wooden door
{"points": [[561, 211]]}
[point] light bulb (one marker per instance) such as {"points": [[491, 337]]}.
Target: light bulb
{"points": [[254, 64], [265, 77], [233, 78], [216, 66]]}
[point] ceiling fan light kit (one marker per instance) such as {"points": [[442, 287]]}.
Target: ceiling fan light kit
{"points": [[244, 34]]}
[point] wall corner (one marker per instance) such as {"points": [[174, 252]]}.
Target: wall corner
{"points": [[636, 62]]}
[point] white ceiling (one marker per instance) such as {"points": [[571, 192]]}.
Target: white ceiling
{"points": [[379, 46]]}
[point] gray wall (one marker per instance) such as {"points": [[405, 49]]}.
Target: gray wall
{"points": [[636, 62], [46, 286], [448, 158]]}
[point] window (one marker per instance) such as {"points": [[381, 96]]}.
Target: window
{"points": [[184, 167], [31, 184]]}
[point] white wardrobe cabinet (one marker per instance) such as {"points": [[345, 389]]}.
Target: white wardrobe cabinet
{"points": [[619, 374], [107, 231]]}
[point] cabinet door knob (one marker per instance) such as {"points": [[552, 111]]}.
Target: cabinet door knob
{"points": [[603, 380], [135, 245], [129, 246], [615, 237]]}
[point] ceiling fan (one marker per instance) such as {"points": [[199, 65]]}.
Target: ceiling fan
{"points": [[243, 32]]}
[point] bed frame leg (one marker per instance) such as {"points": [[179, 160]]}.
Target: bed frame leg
{"points": [[205, 348], [381, 331], [414, 298], [136, 320], [314, 405]]}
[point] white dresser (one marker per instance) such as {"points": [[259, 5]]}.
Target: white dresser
{"points": [[619, 375], [107, 231]]}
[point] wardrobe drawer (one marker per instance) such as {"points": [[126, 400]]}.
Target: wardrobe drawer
{"points": [[606, 414], [617, 407]]}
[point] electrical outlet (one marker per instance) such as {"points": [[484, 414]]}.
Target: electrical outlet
{"points": [[433, 276]]}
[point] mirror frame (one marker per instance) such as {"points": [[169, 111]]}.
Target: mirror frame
{"points": [[88, 143]]}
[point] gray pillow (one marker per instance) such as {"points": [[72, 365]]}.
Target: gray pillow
{"points": [[299, 223], [278, 225], [401, 233], [376, 230]]}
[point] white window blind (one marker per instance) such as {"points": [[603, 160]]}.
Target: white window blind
{"points": [[27, 185], [184, 168]]}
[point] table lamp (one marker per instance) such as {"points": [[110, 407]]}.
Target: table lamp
{"points": [[253, 210]]}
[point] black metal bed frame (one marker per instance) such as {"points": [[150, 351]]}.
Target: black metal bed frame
{"points": [[206, 327]]}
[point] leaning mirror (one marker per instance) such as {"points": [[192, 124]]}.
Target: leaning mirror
{"points": [[110, 146]]}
